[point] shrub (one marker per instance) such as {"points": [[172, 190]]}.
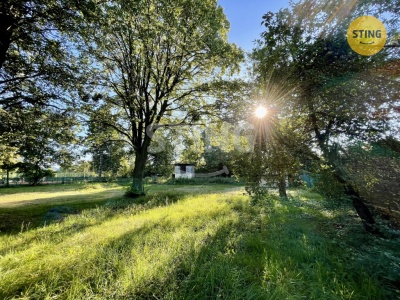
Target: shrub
{"points": [[203, 180], [34, 174], [328, 186]]}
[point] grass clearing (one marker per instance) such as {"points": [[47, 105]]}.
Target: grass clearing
{"points": [[202, 243], [26, 208]]}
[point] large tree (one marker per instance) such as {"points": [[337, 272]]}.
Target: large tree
{"points": [[42, 140], [37, 62], [39, 77], [105, 145], [340, 95], [156, 62], [27, 23]]}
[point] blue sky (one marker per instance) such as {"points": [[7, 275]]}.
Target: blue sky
{"points": [[245, 18]]}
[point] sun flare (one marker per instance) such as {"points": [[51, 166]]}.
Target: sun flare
{"points": [[261, 112]]}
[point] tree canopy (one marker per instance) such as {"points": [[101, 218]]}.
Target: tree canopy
{"points": [[156, 62], [339, 95]]}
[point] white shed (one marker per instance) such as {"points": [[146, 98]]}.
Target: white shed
{"points": [[184, 171]]}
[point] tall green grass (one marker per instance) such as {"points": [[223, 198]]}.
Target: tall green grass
{"points": [[25, 208], [173, 245]]}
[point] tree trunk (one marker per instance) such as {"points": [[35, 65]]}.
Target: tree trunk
{"points": [[362, 210], [8, 178], [282, 187], [357, 201], [332, 157], [100, 170], [137, 188], [6, 28]]}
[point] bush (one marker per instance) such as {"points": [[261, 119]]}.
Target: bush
{"points": [[201, 180], [34, 174], [257, 193], [327, 186], [146, 201]]}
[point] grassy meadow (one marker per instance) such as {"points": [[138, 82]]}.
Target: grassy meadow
{"points": [[188, 242]]}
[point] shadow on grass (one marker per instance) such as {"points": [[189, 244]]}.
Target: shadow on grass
{"points": [[94, 264], [367, 265], [77, 217], [54, 188], [172, 267], [96, 268], [32, 214], [229, 266], [283, 252], [87, 217], [278, 251]]}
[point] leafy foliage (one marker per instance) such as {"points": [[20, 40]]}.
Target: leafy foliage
{"points": [[37, 61], [327, 185], [155, 61], [42, 140], [34, 173], [351, 100], [106, 146], [161, 161]]}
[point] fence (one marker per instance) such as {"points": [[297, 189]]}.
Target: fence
{"points": [[13, 181]]}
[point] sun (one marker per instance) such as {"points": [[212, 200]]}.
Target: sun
{"points": [[261, 112]]}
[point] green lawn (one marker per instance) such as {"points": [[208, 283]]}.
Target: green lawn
{"points": [[30, 207], [192, 242]]}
